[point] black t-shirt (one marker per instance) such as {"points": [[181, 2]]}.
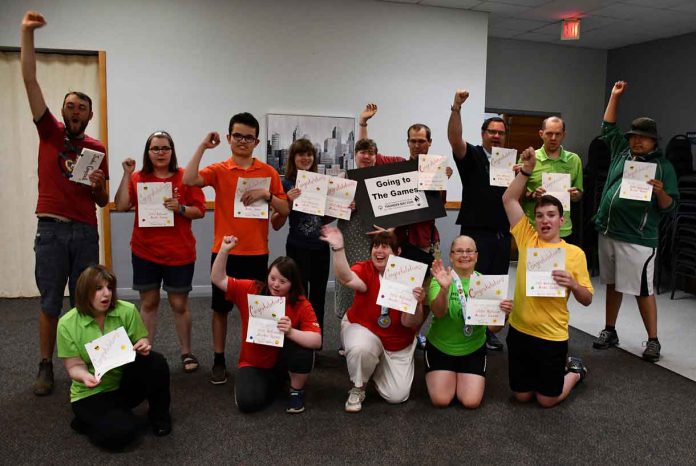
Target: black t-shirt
{"points": [[482, 204]]}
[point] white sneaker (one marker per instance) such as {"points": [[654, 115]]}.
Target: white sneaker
{"points": [[355, 398]]}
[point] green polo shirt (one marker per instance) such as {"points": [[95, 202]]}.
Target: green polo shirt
{"points": [[567, 162], [75, 330]]}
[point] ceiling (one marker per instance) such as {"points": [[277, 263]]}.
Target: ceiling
{"points": [[605, 24]]}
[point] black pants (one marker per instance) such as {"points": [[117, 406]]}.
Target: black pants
{"points": [[107, 418], [314, 268], [255, 388], [493, 250]]}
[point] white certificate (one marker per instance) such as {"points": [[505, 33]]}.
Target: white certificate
{"points": [[634, 184], [339, 197], [400, 277], [485, 294], [257, 209], [88, 161], [264, 313], [502, 161], [314, 187], [557, 185], [392, 194], [151, 210], [540, 263], [110, 351], [432, 172]]}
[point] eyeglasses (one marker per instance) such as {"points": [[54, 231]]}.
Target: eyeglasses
{"points": [[163, 149], [248, 138], [495, 132], [464, 252]]}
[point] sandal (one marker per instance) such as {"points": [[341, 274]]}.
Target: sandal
{"points": [[189, 362]]}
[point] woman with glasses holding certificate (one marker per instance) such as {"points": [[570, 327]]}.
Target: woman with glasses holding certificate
{"points": [[455, 353], [163, 245]]}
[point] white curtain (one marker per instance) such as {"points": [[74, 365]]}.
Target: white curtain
{"points": [[19, 143]]}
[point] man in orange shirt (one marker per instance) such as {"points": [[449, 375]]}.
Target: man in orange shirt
{"points": [[250, 257]]}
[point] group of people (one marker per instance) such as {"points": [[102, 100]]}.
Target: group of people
{"points": [[379, 343]]}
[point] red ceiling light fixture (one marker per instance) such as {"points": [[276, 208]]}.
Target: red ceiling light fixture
{"points": [[571, 29]]}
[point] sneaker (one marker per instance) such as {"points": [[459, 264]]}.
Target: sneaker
{"points": [[606, 339], [355, 398], [492, 342], [652, 350], [44, 380], [218, 375], [576, 365], [295, 402]]}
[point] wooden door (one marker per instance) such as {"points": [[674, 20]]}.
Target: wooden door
{"points": [[523, 130]]}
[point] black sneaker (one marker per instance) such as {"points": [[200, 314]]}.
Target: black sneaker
{"points": [[606, 339], [576, 365], [492, 342], [44, 379], [652, 351], [295, 402], [218, 375]]}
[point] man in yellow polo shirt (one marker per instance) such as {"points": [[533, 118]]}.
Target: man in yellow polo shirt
{"points": [[538, 335]]}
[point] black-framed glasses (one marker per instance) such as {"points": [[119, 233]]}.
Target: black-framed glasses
{"points": [[239, 137], [160, 149]]}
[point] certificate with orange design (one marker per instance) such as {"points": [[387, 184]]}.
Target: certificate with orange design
{"points": [[541, 262], [634, 184], [264, 314], [110, 351], [485, 294], [258, 208], [400, 277]]}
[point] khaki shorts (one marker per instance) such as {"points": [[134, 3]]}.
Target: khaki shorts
{"points": [[629, 267]]}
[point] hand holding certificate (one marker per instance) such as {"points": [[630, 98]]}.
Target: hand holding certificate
{"points": [[432, 172], [88, 161], [541, 262], [400, 277], [557, 185], [502, 161], [257, 209], [634, 184], [486, 292], [264, 313], [151, 209], [110, 351], [314, 187]]}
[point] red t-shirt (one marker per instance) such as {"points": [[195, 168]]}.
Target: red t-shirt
{"points": [[166, 245], [252, 233], [365, 311], [301, 315], [57, 194]]}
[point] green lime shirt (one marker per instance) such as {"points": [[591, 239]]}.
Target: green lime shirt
{"points": [[567, 162], [447, 333], [75, 330]]}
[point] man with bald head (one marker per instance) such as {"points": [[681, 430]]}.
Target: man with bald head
{"points": [[551, 157]]}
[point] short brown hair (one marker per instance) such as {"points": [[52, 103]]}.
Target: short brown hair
{"points": [[367, 145], [301, 146], [86, 288], [548, 199], [386, 238]]}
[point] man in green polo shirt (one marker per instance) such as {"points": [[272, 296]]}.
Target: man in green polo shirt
{"points": [[553, 158]]}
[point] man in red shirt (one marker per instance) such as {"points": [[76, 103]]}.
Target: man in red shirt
{"points": [[67, 239]]}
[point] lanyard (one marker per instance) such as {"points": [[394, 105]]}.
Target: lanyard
{"points": [[468, 329]]}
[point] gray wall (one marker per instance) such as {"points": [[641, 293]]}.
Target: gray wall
{"points": [[660, 76], [538, 77]]}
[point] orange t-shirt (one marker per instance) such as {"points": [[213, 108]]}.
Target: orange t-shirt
{"points": [[252, 233]]}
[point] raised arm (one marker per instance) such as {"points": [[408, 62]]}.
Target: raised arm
{"points": [[369, 112], [218, 273], [191, 176], [454, 126], [344, 275], [32, 20], [440, 305], [511, 196], [122, 199], [613, 104]]}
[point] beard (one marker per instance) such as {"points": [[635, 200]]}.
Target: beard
{"points": [[68, 128]]}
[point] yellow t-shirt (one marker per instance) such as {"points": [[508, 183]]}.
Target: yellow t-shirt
{"points": [[543, 317]]}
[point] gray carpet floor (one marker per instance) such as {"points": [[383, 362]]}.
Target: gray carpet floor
{"points": [[626, 412]]}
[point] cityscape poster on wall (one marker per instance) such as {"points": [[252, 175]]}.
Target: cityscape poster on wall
{"points": [[333, 139]]}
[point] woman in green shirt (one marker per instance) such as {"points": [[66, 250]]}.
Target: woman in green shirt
{"points": [[455, 353]]}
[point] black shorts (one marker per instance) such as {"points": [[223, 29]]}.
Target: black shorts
{"points": [[148, 276], [436, 360], [244, 267], [535, 364]]}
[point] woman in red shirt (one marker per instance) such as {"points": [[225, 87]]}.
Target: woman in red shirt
{"points": [[261, 366], [162, 255]]}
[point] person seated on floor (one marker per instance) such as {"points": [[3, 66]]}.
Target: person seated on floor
{"points": [[261, 367], [102, 407], [379, 342], [538, 334], [455, 353]]}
